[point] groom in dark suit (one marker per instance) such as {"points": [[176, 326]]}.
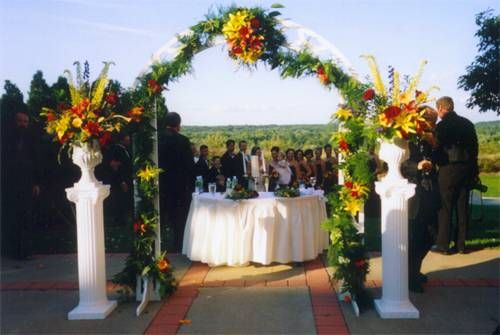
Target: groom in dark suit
{"points": [[177, 179]]}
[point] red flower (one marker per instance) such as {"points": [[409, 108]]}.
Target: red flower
{"points": [[236, 50], [154, 87], [93, 128], [354, 194], [369, 94], [320, 71], [256, 44], [360, 263], [64, 138], [105, 138], [343, 145], [348, 184], [255, 23], [244, 32], [347, 298], [111, 98], [392, 111], [62, 106], [417, 93], [137, 226], [77, 111]]}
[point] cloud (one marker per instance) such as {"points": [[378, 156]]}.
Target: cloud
{"points": [[110, 27]]}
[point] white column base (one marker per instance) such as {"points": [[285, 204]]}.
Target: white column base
{"points": [[94, 312], [396, 309]]}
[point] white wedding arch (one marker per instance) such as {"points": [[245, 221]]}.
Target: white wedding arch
{"points": [[299, 38]]}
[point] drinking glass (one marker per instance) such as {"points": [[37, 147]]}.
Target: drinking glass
{"points": [[312, 180], [211, 188]]}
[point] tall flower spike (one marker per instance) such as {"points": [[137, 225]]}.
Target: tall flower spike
{"points": [[100, 86], [377, 79], [395, 89], [416, 79], [73, 91]]}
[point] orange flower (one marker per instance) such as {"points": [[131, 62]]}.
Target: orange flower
{"points": [[323, 76], [162, 265], [50, 116], [135, 113]]}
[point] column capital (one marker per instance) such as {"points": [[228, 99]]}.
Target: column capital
{"points": [[93, 192]]}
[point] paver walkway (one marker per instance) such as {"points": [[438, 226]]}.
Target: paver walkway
{"points": [[461, 296]]}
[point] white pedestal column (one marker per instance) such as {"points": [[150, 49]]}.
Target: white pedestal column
{"points": [[88, 195], [394, 193]]}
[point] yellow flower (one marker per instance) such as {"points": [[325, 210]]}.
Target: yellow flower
{"points": [[77, 122], [353, 206], [231, 29], [384, 121], [62, 125], [359, 189], [148, 173], [343, 113]]}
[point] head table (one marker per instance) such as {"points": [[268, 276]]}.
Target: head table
{"points": [[266, 229]]}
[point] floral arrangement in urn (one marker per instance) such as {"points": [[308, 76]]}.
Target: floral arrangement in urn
{"points": [[92, 114]]}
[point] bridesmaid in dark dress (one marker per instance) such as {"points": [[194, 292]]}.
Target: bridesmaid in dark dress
{"points": [[305, 170], [331, 164], [294, 167], [319, 165]]}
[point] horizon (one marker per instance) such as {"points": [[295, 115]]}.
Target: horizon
{"points": [[55, 33]]}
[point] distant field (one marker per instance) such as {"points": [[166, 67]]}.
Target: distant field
{"points": [[493, 183]]}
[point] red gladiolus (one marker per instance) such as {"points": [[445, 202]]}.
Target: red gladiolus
{"points": [[343, 145], [244, 32], [348, 184], [392, 111], [111, 98], [369, 94], [105, 138], [354, 194], [255, 23]]}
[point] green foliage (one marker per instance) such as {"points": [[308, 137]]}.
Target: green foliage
{"points": [[11, 103], [483, 75], [39, 96]]}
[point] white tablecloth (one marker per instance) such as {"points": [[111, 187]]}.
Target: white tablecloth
{"points": [[263, 230]]}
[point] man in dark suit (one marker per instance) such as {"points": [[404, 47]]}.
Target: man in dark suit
{"points": [[201, 167], [456, 152], [232, 164], [176, 182]]}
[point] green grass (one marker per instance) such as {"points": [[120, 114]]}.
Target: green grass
{"points": [[493, 183]]}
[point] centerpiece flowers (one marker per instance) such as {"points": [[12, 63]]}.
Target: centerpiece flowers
{"points": [[241, 193], [287, 192]]}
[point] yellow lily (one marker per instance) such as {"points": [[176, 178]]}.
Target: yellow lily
{"points": [[343, 113], [148, 173]]}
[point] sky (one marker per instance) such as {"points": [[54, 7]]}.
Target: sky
{"points": [[49, 35]]}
